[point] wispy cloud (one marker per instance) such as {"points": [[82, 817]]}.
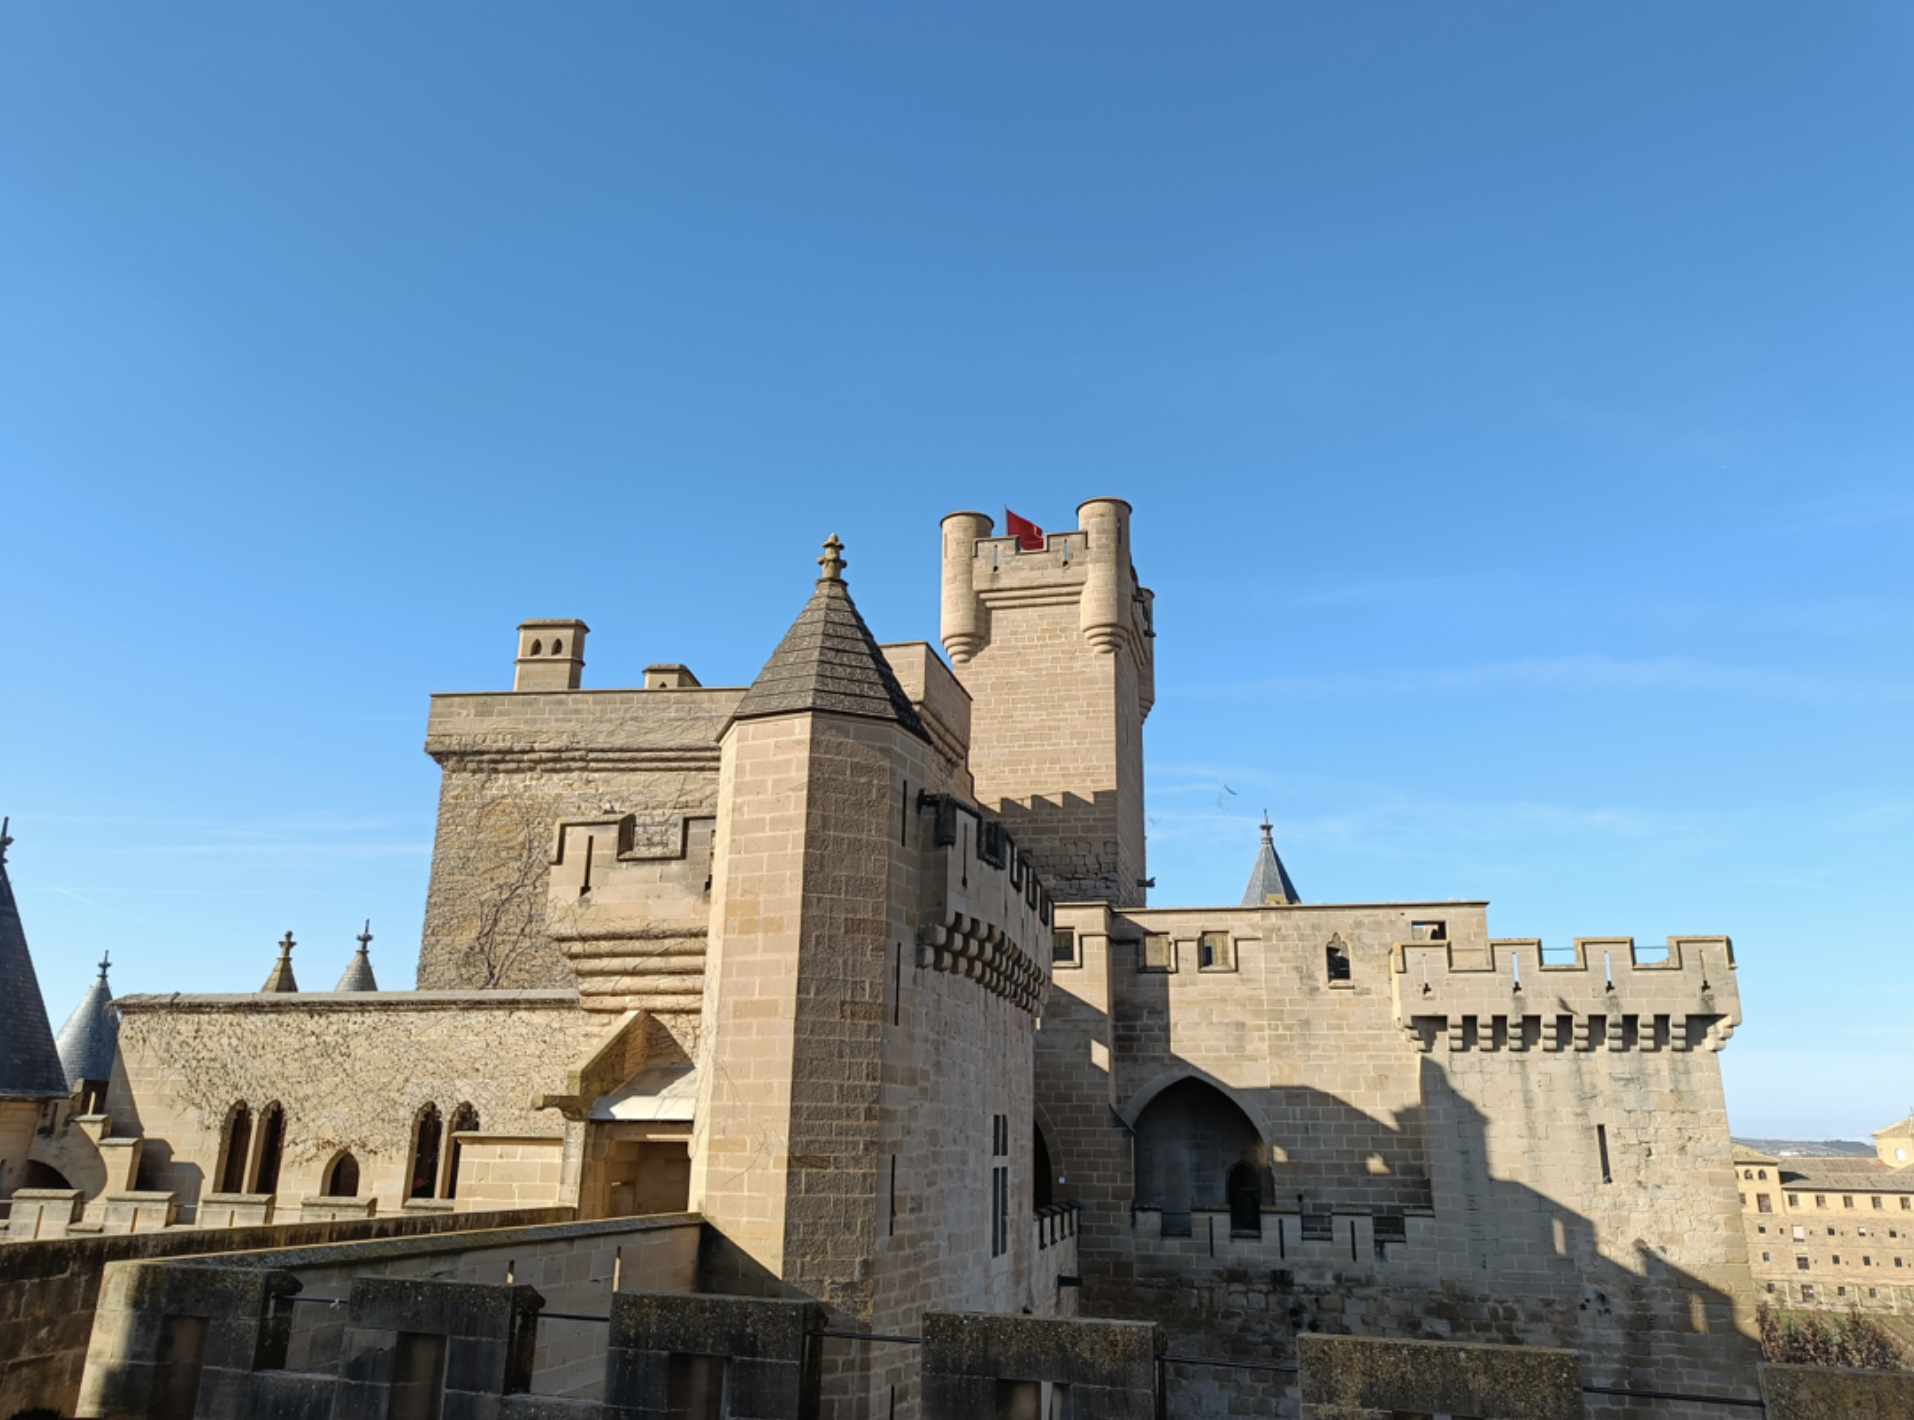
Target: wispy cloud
{"points": [[1580, 674]]}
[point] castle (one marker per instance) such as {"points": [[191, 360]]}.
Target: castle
{"points": [[857, 964]]}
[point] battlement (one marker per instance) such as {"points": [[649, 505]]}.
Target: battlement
{"points": [[1087, 567], [985, 915], [1606, 997]]}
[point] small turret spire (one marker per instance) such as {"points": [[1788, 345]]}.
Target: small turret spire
{"points": [[1269, 884], [281, 978], [832, 562], [358, 973]]}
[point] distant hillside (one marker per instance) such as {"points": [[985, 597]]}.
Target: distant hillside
{"points": [[1809, 1148]]}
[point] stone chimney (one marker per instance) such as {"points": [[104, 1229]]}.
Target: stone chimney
{"points": [[551, 655]]}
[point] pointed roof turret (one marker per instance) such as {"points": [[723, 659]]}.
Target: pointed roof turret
{"points": [[91, 1036], [829, 661], [1269, 883], [29, 1064], [358, 975], [281, 978]]}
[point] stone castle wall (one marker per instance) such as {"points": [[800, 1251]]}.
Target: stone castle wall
{"points": [[514, 764], [352, 1071], [1420, 1183]]}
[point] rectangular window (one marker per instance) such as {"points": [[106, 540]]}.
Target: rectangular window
{"points": [[1763, 1203], [1158, 953], [999, 1186], [1807, 1291], [1428, 931], [1764, 1257], [1847, 1200], [1801, 1264], [1063, 947], [1877, 1200], [1601, 1144], [1794, 1200], [1866, 1261], [1820, 1200], [1215, 952], [1837, 1259], [1800, 1233], [1906, 1203]]}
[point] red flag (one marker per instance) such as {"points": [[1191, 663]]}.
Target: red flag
{"points": [[1029, 536]]}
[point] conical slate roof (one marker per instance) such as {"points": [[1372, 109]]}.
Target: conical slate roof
{"points": [[91, 1036], [358, 976], [280, 978], [29, 1065], [1269, 879], [829, 661]]}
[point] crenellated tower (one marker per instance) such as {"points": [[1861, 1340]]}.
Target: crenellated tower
{"points": [[1054, 646]]}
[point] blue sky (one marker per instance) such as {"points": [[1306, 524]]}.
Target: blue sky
{"points": [[1514, 400]]}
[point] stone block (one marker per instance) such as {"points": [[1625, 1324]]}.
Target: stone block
{"points": [[1343, 1375], [1110, 1367]]}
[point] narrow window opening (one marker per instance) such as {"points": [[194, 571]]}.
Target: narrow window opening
{"points": [[239, 1138], [342, 1179], [903, 817], [426, 1137], [1063, 947], [272, 1144], [891, 1230], [465, 1120], [538, 648], [558, 647], [1245, 1202], [1337, 960], [897, 987], [1601, 1142]]}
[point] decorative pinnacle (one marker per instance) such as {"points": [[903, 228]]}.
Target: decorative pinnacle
{"points": [[286, 944], [364, 939], [106, 959], [1267, 826], [5, 841], [831, 562]]}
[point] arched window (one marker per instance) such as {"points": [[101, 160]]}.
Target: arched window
{"points": [[1245, 1201], [239, 1139], [342, 1177], [1188, 1141], [272, 1143], [465, 1120], [538, 648], [558, 647], [426, 1132]]}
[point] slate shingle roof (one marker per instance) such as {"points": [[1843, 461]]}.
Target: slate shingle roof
{"points": [[358, 974], [91, 1036], [1269, 879], [829, 661], [29, 1064]]}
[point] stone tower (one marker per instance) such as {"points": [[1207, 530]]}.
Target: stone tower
{"points": [[1054, 647], [813, 897]]}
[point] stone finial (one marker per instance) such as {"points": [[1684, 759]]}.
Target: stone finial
{"points": [[6, 841], [358, 973], [831, 562], [281, 978], [106, 960]]}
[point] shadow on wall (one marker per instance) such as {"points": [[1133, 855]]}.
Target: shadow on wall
{"points": [[1447, 1250]]}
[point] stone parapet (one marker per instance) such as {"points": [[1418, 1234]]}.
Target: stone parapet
{"points": [[1363, 1378], [985, 915], [1507, 998], [978, 1367], [44, 1212], [1832, 1393]]}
